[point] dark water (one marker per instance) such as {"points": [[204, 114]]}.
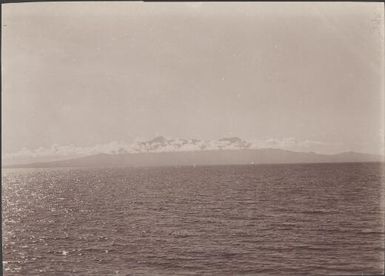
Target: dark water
{"points": [[230, 220]]}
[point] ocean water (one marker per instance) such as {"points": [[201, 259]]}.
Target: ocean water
{"points": [[314, 219]]}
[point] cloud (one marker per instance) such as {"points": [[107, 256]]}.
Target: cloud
{"points": [[57, 152], [288, 143]]}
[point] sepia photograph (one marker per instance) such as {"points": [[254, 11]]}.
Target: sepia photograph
{"points": [[192, 138]]}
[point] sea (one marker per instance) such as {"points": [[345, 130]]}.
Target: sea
{"points": [[298, 219]]}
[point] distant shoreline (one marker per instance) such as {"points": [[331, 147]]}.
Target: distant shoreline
{"points": [[205, 158]]}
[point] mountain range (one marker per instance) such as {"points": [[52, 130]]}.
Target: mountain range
{"points": [[238, 156]]}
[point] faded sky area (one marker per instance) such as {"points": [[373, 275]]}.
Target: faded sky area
{"points": [[93, 73]]}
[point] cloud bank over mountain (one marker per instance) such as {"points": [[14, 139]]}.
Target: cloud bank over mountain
{"points": [[157, 144]]}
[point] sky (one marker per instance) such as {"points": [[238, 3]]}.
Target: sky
{"points": [[93, 73]]}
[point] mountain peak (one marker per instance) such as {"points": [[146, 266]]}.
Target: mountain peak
{"points": [[158, 139], [231, 139]]}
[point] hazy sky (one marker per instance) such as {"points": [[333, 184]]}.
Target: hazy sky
{"points": [[86, 73]]}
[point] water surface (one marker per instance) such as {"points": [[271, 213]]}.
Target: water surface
{"points": [[319, 219]]}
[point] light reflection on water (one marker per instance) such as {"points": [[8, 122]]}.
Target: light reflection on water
{"points": [[222, 220]]}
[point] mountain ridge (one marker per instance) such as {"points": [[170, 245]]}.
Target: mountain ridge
{"points": [[204, 157]]}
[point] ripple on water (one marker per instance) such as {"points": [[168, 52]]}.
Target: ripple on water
{"points": [[224, 220]]}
